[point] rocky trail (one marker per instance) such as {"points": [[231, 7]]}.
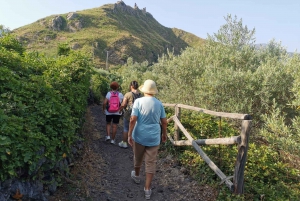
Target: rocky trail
{"points": [[102, 171]]}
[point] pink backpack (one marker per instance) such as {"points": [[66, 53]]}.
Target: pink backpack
{"points": [[114, 102]]}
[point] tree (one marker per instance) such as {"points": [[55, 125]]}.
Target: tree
{"points": [[234, 34], [3, 30]]}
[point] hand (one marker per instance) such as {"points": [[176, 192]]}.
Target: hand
{"points": [[130, 141], [164, 138]]}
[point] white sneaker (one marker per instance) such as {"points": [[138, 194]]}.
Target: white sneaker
{"points": [[123, 144], [147, 194], [112, 142], [136, 179], [107, 138]]}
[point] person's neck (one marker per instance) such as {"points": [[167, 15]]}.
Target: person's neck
{"points": [[148, 95]]}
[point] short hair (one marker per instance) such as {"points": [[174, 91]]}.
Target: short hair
{"points": [[114, 85]]}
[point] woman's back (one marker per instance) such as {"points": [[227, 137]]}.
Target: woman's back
{"points": [[149, 111]]}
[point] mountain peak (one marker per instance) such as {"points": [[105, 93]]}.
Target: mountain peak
{"points": [[121, 6]]}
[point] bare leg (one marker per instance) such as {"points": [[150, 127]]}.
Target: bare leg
{"points": [[114, 130], [137, 171], [108, 126], [125, 136], [149, 177]]}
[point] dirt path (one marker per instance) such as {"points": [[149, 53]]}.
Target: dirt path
{"points": [[102, 172]]}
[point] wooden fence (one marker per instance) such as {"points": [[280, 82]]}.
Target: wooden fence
{"points": [[237, 186]]}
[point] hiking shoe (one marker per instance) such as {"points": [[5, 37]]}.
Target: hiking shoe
{"points": [[112, 142], [136, 179], [123, 144], [147, 194], [107, 138]]}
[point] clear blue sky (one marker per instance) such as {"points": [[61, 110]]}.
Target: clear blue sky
{"points": [[272, 19]]}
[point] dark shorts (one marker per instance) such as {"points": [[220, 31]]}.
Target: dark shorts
{"points": [[115, 118]]}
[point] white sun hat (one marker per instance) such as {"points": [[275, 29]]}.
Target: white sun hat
{"points": [[149, 87]]}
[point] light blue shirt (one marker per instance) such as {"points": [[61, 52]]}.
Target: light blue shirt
{"points": [[149, 111]]}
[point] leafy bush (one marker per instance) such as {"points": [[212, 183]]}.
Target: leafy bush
{"points": [[132, 71], [100, 83], [42, 102], [228, 74]]}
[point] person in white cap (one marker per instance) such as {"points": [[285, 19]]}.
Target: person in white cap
{"points": [[147, 128]]}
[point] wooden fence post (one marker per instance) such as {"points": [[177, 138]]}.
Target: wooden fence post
{"points": [[177, 114], [238, 177]]}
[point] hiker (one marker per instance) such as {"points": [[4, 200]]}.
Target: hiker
{"points": [[144, 133], [111, 106], [127, 103]]}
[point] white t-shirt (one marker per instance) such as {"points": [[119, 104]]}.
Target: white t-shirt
{"points": [[108, 97]]}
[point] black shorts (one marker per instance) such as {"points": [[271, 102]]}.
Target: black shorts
{"points": [[115, 118]]}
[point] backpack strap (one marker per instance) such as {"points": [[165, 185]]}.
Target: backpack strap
{"points": [[135, 96], [112, 92]]}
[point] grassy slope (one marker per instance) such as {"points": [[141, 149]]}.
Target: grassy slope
{"points": [[123, 31]]}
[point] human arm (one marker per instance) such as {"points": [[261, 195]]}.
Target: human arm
{"points": [[123, 105], [104, 105], [164, 124], [132, 123]]}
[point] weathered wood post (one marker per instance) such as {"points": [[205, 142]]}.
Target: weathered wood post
{"points": [[177, 114], [238, 177]]}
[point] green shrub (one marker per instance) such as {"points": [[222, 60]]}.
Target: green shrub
{"points": [[42, 103]]}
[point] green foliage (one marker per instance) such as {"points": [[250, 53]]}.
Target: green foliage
{"points": [[229, 74], [234, 34], [42, 102], [201, 126], [10, 43], [63, 49], [134, 71], [266, 175], [99, 85], [293, 69]]}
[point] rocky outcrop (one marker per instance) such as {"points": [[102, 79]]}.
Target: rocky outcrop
{"points": [[75, 46], [72, 16], [21, 190], [120, 5], [57, 23], [75, 26]]}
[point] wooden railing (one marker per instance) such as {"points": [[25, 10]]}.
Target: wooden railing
{"points": [[237, 186]]}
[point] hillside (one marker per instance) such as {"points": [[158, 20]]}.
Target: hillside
{"points": [[114, 30]]}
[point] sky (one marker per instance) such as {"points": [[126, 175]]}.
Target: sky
{"points": [[277, 20]]}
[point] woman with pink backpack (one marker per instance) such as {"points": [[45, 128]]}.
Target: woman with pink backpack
{"points": [[111, 106]]}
